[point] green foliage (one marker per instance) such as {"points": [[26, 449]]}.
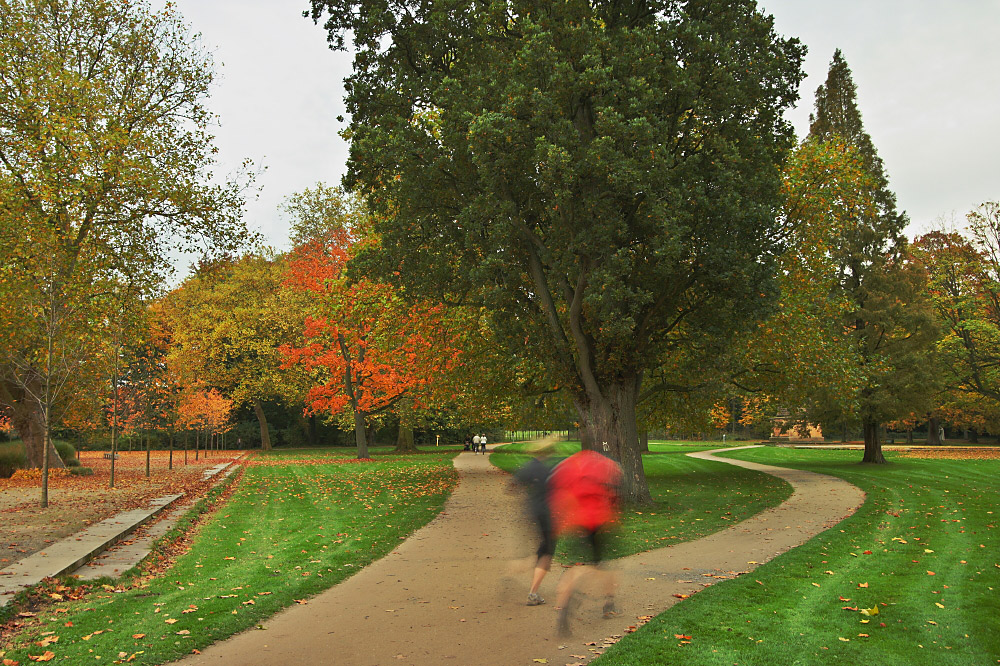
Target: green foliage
{"points": [[930, 531]]}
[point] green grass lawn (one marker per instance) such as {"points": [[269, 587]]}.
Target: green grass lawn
{"points": [[298, 523], [924, 550], [693, 497]]}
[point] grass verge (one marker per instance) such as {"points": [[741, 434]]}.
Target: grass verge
{"points": [[295, 526], [923, 550], [693, 498]]}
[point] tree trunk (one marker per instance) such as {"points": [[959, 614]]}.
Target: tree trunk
{"points": [[312, 430], [170, 459], [265, 434], [909, 436], [873, 443], [610, 422], [360, 434], [973, 436], [933, 424], [404, 440], [644, 442], [586, 441], [27, 419], [149, 441]]}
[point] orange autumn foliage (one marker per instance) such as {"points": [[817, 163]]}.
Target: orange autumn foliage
{"points": [[365, 346]]}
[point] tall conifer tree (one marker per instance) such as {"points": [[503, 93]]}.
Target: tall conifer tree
{"points": [[890, 320]]}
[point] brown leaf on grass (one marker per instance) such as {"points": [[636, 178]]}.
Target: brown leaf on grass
{"points": [[862, 584], [47, 656], [10, 662], [184, 632], [170, 620], [138, 636]]}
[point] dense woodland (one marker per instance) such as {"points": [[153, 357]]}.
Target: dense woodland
{"points": [[587, 217]]}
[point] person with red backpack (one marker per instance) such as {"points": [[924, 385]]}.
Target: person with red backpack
{"points": [[584, 493]]}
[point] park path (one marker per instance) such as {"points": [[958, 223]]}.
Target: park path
{"points": [[445, 595]]}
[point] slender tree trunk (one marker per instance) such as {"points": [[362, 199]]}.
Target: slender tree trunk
{"points": [[265, 434], [186, 446], [149, 441], [873, 444], [973, 436], [404, 440], [197, 442], [610, 421], [909, 436], [644, 441], [170, 458]]}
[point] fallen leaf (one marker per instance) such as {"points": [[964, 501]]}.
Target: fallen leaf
{"points": [[170, 620], [184, 632], [540, 661], [138, 636], [682, 637], [931, 573], [862, 584], [939, 605], [870, 611], [846, 640], [47, 656]]}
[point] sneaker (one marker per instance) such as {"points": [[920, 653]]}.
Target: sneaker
{"points": [[534, 599]]}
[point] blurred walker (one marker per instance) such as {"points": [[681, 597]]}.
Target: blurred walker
{"points": [[533, 476], [584, 499]]}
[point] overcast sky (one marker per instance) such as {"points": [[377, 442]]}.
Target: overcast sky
{"points": [[928, 77]]}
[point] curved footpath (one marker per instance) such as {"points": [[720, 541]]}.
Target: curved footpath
{"points": [[444, 596]]}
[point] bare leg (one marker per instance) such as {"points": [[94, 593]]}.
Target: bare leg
{"points": [[541, 568]]}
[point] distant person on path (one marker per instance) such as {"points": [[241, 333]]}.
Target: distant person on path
{"points": [[584, 495], [475, 444], [533, 476], [468, 444], [482, 444]]}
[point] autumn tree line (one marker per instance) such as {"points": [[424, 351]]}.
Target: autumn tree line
{"points": [[594, 211]]}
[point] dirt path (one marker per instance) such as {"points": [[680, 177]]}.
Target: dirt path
{"points": [[444, 595]]}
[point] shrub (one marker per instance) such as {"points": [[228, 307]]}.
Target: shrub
{"points": [[81, 471], [65, 450], [12, 458], [72, 462]]}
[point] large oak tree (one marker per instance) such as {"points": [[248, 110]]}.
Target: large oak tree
{"points": [[602, 175]]}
